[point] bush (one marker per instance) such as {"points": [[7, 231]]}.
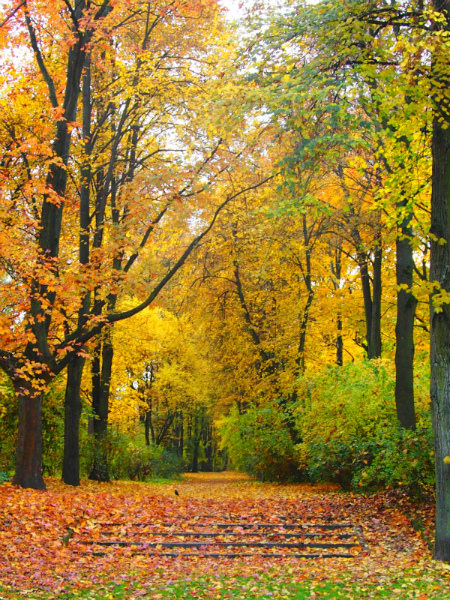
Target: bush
{"points": [[338, 461], [8, 426], [258, 442], [402, 458], [4, 477], [129, 460], [350, 435], [396, 458]]}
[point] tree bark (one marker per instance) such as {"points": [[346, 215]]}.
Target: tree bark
{"points": [[29, 449], [72, 401], [304, 316], [101, 381], [339, 342], [371, 289], [72, 414], [29, 441], [148, 428], [374, 342], [179, 434], [404, 330], [336, 270], [440, 336], [440, 311], [440, 333]]}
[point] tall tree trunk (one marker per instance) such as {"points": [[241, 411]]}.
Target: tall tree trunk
{"points": [[195, 453], [29, 448], [440, 313], [371, 289], [336, 270], [149, 428], [209, 449], [72, 414], [101, 381], [304, 316], [374, 348], [339, 342], [440, 336], [29, 441], [195, 433], [72, 400], [180, 434], [404, 330], [440, 330]]}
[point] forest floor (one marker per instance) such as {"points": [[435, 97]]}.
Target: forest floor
{"points": [[48, 550]]}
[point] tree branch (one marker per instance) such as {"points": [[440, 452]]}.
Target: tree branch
{"points": [[12, 13], [80, 337], [37, 52]]}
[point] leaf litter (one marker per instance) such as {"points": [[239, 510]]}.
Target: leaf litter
{"points": [[40, 534]]}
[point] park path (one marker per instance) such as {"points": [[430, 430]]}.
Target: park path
{"points": [[64, 535], [228, 516]]}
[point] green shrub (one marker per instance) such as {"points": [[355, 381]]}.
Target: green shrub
{"points": [[402, 458], [350, 434], [131, 460], [4, 477], [258, 443], [338, 461]]}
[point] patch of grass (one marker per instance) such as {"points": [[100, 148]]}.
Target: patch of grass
{"points": [[267, 589], [422, 587]]}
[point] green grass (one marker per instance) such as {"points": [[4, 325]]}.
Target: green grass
{"points": [[427, 586]]}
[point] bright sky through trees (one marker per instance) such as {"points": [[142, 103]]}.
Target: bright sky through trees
{"points": [[234, 7]]}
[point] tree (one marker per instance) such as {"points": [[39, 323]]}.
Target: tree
{"points": [[162, 376], [362, 81], [49, 327], [137, 93], [440, 278], [33, 363]]}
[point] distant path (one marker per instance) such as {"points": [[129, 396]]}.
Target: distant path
{"points": [[230, 484]]}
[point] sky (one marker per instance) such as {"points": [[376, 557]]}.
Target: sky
{"points": [[233, 7]]}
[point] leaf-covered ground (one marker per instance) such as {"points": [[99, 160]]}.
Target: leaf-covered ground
{"points": [[41, 558]]}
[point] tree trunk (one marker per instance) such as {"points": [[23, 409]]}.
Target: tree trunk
{"points": [[336, 271], [72, 414], [148, 428], [440, 311], [404, 331], [304, 317], [374, 342], [339, 342], [101, 381], [180, 434], [195, 453], [72, 401], [371, 289], [195, 443], [304, 321], [29, 441], [440, 333], [209, 449], [29, 447]]}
